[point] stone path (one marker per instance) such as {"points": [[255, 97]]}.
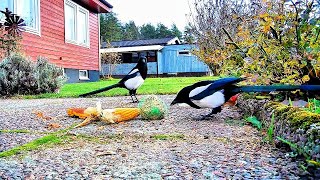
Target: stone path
{"points": [[211, 149]]}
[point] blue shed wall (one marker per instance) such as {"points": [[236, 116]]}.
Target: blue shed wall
{"points": [[125, 68], [171, 62]]}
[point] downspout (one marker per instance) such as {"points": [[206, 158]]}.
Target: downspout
{"points": [[156, 52], [99, 56]]}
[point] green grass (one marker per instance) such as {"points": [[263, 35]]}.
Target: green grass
{"points": [[170, 85], [35, 144], [58, 137], [168, 137], [14, 131]]}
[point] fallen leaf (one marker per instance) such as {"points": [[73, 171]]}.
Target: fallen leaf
{"points": [[53, 126], [40, 115], [101, 128]]}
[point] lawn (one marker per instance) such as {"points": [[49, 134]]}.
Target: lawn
{"points": [[170, 85]]}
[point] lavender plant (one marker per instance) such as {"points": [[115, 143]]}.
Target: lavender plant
{"points": [[19, 75]]}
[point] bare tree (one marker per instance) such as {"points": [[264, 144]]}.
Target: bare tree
{"points": [[214, 23], [111, 59]]}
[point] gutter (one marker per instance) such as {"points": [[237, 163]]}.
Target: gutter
{"points": [[106, 3]]}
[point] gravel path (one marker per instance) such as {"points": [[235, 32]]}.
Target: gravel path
{"points": [[209, 149]]}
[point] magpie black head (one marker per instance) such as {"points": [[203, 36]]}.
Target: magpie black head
{"points": [[142, 66], [182, 96], [142, 61]]}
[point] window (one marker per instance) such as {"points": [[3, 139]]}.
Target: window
{"points": [[152, 56], [184, 53], [29, 10], [76, 24], [83, 75], [130, 57], [70, 22]]}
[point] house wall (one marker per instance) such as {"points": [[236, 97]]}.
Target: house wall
{"points": [[170, 62], [51, 42], [73, 75]]}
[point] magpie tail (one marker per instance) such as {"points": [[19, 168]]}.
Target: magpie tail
{"points": [[100, 90], [271, 88]]}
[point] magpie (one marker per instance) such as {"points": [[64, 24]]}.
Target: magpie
{"points": [[132, 81], [213, 94]]}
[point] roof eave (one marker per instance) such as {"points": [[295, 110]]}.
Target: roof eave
{"points": [[132, 49], [97, 6]]}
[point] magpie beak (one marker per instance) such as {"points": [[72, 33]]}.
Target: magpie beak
{"points": [[173, 102]]}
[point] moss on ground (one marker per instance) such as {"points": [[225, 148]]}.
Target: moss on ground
{"points": [[168, 136], [35, 144], [296, 117]]}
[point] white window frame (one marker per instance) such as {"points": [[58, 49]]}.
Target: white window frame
{"points": [[189, 53], [34, 30], [78, 8], [84, 77]]}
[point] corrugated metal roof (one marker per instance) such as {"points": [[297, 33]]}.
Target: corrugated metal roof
{"points": [[132, 49], [146, 42]]}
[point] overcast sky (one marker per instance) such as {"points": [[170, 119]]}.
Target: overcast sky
{"points": [[152, 11]]}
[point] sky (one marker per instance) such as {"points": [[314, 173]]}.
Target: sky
{"points": [[141, 12]]}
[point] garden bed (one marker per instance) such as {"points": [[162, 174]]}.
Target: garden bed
{"points": [[293, 127]]}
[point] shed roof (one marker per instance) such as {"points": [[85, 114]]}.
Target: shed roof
{"points": [[132, 49], [145, 42]]}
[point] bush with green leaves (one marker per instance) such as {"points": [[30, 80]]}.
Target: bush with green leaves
{"points": [[20, 76]]}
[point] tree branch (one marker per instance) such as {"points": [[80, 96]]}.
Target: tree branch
{"points": [[296, 25], [230, 38]]}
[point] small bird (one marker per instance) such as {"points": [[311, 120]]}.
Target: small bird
{"points": [[214, 94], [132, 81]]}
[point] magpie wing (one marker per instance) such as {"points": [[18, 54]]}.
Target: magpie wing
{"points": [[209, 88], [133, 73]]}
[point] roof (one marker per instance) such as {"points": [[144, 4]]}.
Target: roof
{"points": [[132, 49], [145, 42], [106, 3], [97, 6]]}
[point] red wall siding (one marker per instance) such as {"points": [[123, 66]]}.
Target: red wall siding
{"points": [[51, 42]]}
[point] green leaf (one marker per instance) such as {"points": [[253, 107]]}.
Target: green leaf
{"points": [[254, 121]]}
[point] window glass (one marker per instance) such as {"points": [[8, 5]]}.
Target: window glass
{"points": [[135, 57], [3, 5], [184, 52], [151, 56], [26, 9], [76, 24], [83, 74], [70, 13], [82, 27]]}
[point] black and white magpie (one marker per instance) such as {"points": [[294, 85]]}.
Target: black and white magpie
{"points": [[132, 81], [213, 94]]}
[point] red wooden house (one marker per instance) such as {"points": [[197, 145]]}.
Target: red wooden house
{"points": [[65, 31]]}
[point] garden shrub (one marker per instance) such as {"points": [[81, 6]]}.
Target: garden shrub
{"points": [[49, 77], [19, 75]]}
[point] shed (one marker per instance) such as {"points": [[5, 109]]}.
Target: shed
{"points": [[165, 56]]}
